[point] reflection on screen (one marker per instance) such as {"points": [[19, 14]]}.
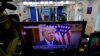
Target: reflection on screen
{"points": [[52, 36], [95, 42]]}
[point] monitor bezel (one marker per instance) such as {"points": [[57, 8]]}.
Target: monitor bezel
{"points": [[30, 51]]}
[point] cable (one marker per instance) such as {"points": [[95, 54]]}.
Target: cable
{"points": [[3, 21]]}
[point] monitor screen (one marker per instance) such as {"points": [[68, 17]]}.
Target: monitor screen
{"points": [[52, 37], [94, 42]]}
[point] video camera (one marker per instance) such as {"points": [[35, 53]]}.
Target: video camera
{"points": [[4, 5]]}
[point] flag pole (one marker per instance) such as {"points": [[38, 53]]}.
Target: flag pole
{"points": [[36, 13]]}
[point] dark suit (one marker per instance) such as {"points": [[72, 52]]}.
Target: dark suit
{"points": [[45, 43]]}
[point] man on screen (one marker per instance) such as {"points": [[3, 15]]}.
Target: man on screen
{"points": [[49, 37]]}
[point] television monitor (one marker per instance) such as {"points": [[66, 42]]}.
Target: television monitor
{"points": [[94, 44], [65, 37]]}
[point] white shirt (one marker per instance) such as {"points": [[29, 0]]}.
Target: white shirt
{"points": [[49, 43]]}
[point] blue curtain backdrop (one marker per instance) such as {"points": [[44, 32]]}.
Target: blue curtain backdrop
{"points": [[59, 11], [39, 14], [50, 14], [33, 14], [46, 11]]}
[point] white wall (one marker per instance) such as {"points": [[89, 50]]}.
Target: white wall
{"points": [[78, 11], [71, 12], [90, 18], [25, 11], [97, 22]]}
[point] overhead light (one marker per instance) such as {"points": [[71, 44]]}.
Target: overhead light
{"points": [[66, 2], [30, 3], [62, 2], [34, 3], [46, 2], [25, 3], [50, 2], [41, 2]]}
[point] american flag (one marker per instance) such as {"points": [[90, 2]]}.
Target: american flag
{"points": [[63, 33]]}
